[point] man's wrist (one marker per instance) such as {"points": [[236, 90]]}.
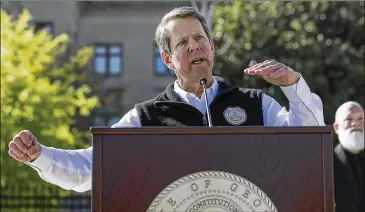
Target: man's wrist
{"points": [[44, 160], [295, 81]]}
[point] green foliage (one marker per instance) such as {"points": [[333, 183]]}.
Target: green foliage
{"points": [[324, 41], [38, 95]]}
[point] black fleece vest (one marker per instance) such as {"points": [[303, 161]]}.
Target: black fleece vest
{"points": [[168, 109]]}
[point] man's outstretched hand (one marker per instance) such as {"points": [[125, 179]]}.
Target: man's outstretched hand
{"points": [[273, 72]]}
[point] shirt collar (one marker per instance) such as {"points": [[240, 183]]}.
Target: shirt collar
{"points": [[183, 94]]}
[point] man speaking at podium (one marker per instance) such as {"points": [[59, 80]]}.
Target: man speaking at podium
{"points": [[187, 47]]}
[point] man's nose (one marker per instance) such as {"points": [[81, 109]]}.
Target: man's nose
{"points": [[193, 45], [357, 123]]}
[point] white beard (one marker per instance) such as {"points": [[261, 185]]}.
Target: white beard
{"points": [[351, 141]]}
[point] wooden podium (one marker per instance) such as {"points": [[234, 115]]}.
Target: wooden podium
{"points": [[191, 169]]}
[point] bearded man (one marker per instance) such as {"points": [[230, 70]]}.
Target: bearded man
{"points": [[349, 158]]}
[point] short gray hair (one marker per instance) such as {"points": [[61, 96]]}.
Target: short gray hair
{"points": [[162, 35]]}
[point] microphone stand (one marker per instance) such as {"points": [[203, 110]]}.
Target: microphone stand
{"points": [[203, 82]]}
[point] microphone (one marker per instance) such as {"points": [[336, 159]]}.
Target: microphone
{"points": [[203, 82]]}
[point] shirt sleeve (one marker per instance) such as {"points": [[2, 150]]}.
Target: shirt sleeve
{"points": [[306, 108], [130, 119], [71, 169]]}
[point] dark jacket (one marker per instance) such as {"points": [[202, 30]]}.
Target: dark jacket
{"points": [[348, 192], [231, 106]]}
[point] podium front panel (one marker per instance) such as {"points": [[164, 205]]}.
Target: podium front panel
{"points": [[287, 169]]}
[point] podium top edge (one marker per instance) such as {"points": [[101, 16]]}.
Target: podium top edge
{"points": [[213, 130]]}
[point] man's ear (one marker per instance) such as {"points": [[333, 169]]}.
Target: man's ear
{"points": [[212, 46], [166, 58], [335, 127]]}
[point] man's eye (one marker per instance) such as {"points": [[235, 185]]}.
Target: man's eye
{"points": [[181, 43], [199, 37]]}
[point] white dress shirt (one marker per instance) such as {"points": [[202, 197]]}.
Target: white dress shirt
{"points": [[71, 169]]}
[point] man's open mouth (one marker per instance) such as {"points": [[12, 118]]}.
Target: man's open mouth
{"points": [[197, 61]]}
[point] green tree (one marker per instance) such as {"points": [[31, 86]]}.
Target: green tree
{"points": [[324, 41], [39, 95]]}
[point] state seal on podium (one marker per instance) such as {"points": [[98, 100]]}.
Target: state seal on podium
{"points": [[212, 191]]}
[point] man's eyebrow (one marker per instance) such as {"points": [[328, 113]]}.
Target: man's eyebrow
{"points": [[196, 33], [185, 36], [182, 38]]}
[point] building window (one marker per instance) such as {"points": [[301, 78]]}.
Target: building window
{"points": [[46, 26], [108, 59], [159, 66]]}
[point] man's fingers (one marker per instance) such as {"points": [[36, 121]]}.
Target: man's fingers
{"points": [[34, 151], [253, 64], [13, 155], [27, 138], [268, 69], [16, 150], [251, 70], [23, 158], [263, 64], [18, 142]]}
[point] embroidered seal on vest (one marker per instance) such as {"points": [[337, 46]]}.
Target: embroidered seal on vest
{"points": [[212, 191], [235, 115]]}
